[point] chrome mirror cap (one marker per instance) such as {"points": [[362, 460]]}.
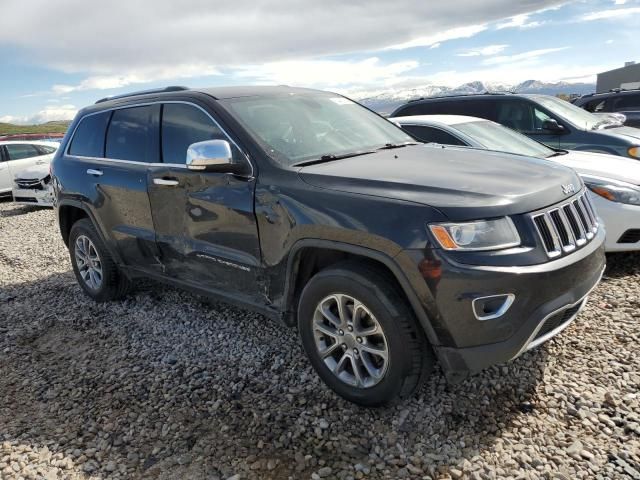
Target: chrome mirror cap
{"points": [[210, 155]]}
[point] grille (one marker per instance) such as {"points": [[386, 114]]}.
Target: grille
{"points": [[32, 183], [568, 226], [558, 319], [630, 236]]}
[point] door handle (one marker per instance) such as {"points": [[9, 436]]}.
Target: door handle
{"points": [[40, 162], [169, 182], [95, 173]]}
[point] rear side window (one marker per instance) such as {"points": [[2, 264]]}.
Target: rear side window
{"points": [[626, 102], [431, 135], [133, 134], [88, 139], [20, 151], [469, 107], [183, 125]]}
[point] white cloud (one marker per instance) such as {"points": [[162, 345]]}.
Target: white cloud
{"points": [[106, 82], [529, 56], [483, 51], [606, 14], [48, 114], [120, 36], [330, 73], [437, 38], [519, 21]]}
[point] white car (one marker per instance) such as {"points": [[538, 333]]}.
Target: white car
{"points": [[613, 181], [24, 171]]}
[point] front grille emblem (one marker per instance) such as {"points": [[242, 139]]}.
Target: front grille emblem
{"points": [[568, 188]]}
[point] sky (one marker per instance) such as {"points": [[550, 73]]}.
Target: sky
{"points": [[59, 56]]}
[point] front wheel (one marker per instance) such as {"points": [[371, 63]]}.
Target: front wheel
{"points": [[361, 336]]}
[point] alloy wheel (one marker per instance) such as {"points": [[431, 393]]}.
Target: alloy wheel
{"points": [[350, 341], [88, 262]]}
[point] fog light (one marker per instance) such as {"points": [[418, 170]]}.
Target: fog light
{"points": [[492, 306]]}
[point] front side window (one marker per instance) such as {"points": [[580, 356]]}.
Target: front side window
{"points": [[133, 134], [595, 106], [432, 135], [88, 139], [568, 111], [183, 125], [294, 128], [21, 150]]}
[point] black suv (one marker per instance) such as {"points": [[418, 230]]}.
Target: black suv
{"points": [[547, 119], [626, 102], [309, 208]]}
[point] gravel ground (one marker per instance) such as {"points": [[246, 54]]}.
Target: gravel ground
{"points": [[168, 385]]}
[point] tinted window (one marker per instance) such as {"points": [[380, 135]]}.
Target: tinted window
{"points": [[183, 125], [626, 102], [133, 134], [430, 134], [88, 140], [45, 150], [20, 151], [595, 105], [469, 107]]}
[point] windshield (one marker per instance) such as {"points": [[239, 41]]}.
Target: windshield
{"points": [[576, 115], [295, 128], [496, 137]]}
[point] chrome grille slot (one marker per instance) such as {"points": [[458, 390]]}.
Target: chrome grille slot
{"points": [[567, 226]]}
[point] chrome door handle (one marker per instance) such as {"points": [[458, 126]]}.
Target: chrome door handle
{"points": [[95, 173], [165, 182]]}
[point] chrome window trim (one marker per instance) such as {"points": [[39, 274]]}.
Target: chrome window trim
{"points": [[158, 164]]}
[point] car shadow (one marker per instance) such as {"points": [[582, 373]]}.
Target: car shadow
{"points": [[622, 264], [13, 210], [165, 381]]}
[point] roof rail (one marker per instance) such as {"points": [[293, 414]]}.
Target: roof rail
{"points": [[453, 95], [172, 88]]}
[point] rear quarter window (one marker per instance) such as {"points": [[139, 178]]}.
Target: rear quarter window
{"points": [[88, 139], [627, 102]]}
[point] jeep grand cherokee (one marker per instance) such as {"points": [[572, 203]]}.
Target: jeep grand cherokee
{"points": [[309, 208]]}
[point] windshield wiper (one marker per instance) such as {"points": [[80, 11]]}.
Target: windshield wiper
{"points": [[331, 158], [389, 146]]}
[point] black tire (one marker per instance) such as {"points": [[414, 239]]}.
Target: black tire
{"points": [[115, 284], [409, 354]]}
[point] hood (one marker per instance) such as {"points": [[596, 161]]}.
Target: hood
{"points": [[36, 171], [462, 183], [631, 134], [602, 165]]}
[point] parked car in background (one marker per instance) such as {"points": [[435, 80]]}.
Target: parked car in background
{"points": [[312, 209], [624, 102], [544, 118], [32, 186], [614, 181], [17, 156]]}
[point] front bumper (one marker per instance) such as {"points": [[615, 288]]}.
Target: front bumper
{"points": [[29, 196], [618, 218], [547, 298]]}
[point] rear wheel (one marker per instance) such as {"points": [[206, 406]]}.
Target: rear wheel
{"points": [[361, 336], [95, 269]]}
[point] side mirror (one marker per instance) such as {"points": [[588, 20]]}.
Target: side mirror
{"points": [[213, 156], [552, 126]]}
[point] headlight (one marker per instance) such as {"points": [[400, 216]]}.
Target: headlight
{"points": [[634, 152], [614, 190], [477, 235]]}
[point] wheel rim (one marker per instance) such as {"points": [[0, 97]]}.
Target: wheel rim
{"points": [[350, 341], [88, 262]]}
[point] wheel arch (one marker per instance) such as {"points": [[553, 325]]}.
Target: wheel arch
{"points": [[309, 256]]}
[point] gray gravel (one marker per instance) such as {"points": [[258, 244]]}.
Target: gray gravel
{"points": [[168, 385]]}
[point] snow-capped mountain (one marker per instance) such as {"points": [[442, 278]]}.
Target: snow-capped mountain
{"points": [[386, 101]]}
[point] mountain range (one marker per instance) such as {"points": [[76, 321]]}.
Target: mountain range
{"points": [[386, 101]]}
